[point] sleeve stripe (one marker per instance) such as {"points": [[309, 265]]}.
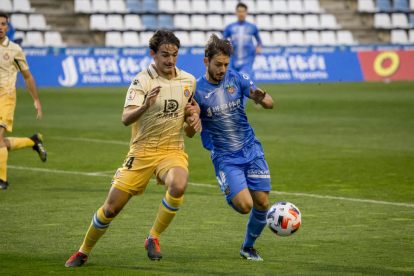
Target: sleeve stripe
{"points": [[15, 60]]}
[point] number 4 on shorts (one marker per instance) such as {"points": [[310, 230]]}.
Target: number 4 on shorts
{"points": [[129, 163]]}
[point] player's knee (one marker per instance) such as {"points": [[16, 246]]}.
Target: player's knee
{"points": [[245, 207], [111, 211], [177, 188], [262, 205]]}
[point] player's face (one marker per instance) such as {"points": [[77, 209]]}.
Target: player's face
{"points": [[165, 58], [217, 67], [241, 13], [4, 27]]}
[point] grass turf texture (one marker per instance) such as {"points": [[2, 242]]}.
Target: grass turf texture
{"points": [[346, 140]]}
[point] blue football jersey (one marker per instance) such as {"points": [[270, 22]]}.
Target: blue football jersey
{"points": [[224, 121]]}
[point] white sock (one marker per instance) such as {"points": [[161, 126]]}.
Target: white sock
{"points": [[83, 252], [151, 237]]}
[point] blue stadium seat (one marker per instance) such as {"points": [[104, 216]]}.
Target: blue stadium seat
{"points": [[384, 5], [165, 21], [401, 5], [149, 21], [412, 19], [149, 5], [133, 5]]}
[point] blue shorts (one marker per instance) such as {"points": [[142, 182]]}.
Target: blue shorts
{"points": [[234, 175]]}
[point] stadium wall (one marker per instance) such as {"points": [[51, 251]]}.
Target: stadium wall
{"points": [[87, 67]]}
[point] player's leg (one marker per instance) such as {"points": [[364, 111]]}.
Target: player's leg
{"points": [[35, 141], [114, 203], [3, 160], [7, 106]]}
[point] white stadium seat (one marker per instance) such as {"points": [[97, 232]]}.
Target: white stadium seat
{"points": [[144, 38], [311, 21], [230, 6], [346, 38], [198, 39], [133, 22], [117, 6], [382, 21], [216, 6], [312, 6], [412, 5], [113, 39], [399, 37], [6, 6], [250, 18], [295, 22], [266, 38], [38, 22], [280, 22], [83, 6], [280, 38], [199, 22], [296, 38], [199, 6], [130, 39], [411, 40], [280, 6], [166, 6], [367, 6], [295, 6], [54, 39], [328, 21], [100, 6], [312, 38], [264, 22], [19, 21], [182, 22], [184, 38], [115, 22], [228, 19], [215, 22], [19, 34], [183, 6], [264, 6], [22, 6], [251, 5], [34, 39], [98, 22], [328, 38], [399, 20]]}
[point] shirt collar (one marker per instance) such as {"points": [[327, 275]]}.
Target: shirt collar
{"points": [[153, 73], [6, 42]]}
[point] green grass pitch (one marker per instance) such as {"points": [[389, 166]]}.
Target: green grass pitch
{"points": [[345, 141]]}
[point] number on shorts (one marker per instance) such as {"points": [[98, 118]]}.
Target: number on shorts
{"points": [[129, 163]]}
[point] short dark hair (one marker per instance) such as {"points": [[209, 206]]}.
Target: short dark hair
{"points": [[215, 46], [3, 14], [161, 37], [241, 5]]}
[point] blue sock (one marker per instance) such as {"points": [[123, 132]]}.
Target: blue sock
{"points": [[255, 226]]}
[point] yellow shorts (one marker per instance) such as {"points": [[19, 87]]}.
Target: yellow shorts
{"points": [[136, 171], [7, 106]]}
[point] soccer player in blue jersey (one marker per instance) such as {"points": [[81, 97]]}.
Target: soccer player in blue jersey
{"points": [[241, 34], [238, 157]]}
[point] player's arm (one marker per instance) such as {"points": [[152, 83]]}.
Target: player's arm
{"points": [[259, 42], [192, 122], [261, 97], [133, 113], [31, 85]]}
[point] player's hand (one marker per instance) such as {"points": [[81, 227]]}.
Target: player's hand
{"points": [[39, 109], [152, 96], [257, 95], [196, 122], [258, 50], [192, 108]]}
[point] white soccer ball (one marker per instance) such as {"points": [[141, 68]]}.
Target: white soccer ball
{"points": [[283, 219]]}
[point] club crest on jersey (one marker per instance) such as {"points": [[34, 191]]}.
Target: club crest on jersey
{"points": [[131, 94], [6, 56], [186, 92], [118, 173], [230, 87]]}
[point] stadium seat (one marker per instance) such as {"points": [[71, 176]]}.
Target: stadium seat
{"points": [[280, 38], [399, 37], [401, 5], [98, 22], [184, 38], [198, 39], [295, 22], [6, 6], [215, 22], [328, 21], [20, 35], [83, 6], [366, 6], [280, 22], [230, 6], [345, 38], [115, 22], [328, 38], [54, 39], [22, 6], [264, 6], [34, 39], [166, 6], [38, 22], [149, 5], [19, 21], [263, 22], [149, 21], [384, 5], [250, 18], [183, 6], [99, 6], [113, 39], [312, 6], [412, 5], [182, 22], [208, 34], [382, 21], [144, 38], [311, 21], [399, 20], [199, 22], [295, 6], [411, 40], [199, 6], [117, 6], [266, 38], [312, 38], [130, 39], [412, 20], [165, 21], [133, 5], [228, 19], [251, 6], [296, 38], [132, 22], [216, 6], [280, 6]]}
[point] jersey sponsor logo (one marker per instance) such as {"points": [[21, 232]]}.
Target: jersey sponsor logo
{"points": [[131, 94], [186, 92], [209, 94], [170, 108], [209, 114], [6, 56], [230, 87]]}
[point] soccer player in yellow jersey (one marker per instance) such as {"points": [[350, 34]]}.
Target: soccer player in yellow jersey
{"points": [[12, 59], [155, 107]]}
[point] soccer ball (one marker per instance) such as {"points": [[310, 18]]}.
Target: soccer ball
{"points": [[283, 219]]}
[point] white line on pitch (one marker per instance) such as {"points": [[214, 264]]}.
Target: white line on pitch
{"points": [[214, 186], [91, 140]]}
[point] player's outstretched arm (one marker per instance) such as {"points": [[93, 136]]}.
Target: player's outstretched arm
{"points": [[132, 113], [261, 97], [31, 85]]}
